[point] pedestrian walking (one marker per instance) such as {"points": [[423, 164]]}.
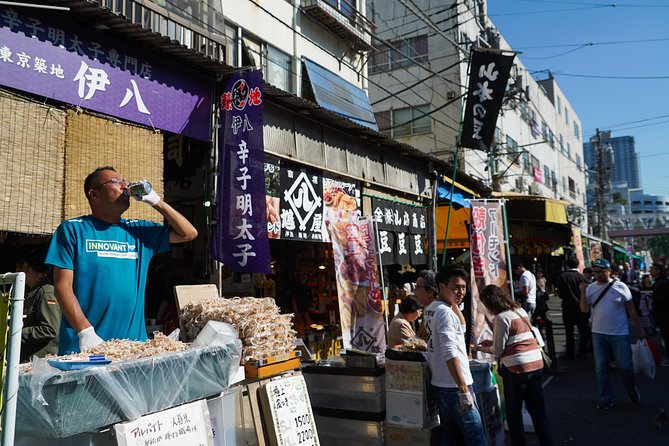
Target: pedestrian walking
{"points": [[660, 304], [527, 288], [610, 301], [521, 365], [569, 291], [451, 381]]}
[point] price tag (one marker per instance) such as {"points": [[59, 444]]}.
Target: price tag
{"points": [[188, 424], [292, 420]]}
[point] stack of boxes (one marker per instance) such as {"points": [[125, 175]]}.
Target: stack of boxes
{"points": [[411, 418], [348, 403]]}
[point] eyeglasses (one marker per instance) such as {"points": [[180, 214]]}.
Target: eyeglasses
{"points": [[115, 180], [598, 271]]}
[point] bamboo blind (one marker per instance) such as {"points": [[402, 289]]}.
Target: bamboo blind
{"points": [[91, 142], [32, 149]]}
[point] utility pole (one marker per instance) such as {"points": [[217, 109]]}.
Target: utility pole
{"points": [[603, 163]]}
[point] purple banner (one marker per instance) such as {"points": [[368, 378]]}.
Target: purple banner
{"points": [[93, 70], [240, 239]]}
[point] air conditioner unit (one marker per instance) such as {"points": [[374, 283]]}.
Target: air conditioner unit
{"points": [[534, 189]]}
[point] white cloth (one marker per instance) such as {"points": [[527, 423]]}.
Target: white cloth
{"points": [[445, 341], [609, 316], [528, 279]]}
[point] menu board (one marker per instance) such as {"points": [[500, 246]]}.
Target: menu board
{"points": [[187, 424], [288, 416]]}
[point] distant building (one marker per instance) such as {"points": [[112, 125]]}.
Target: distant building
{"points": [[626, 159]]}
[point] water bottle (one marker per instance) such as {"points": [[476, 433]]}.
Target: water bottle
{"points": [[138, 189]]}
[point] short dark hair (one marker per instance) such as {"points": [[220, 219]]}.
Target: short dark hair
{"points": [[496, 300], [90, 179], [519, 265], [572, 262], [446, 273], [409, 305], [430, 279], [34, 257], [587, 269]]}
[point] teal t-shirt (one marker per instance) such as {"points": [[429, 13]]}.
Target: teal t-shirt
{"points": [[110, 264]]}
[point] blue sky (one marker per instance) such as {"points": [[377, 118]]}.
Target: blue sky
{"points": [[630, 41]]}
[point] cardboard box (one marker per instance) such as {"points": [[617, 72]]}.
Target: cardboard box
{"points": [[405, 436]]}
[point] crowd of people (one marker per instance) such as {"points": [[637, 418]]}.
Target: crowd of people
{"points": [[609, 308]]}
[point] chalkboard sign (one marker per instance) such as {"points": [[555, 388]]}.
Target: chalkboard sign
{"points": [[287, 412], [188, 424]]}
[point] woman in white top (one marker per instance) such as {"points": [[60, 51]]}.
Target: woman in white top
{"points": [[521, 364]]}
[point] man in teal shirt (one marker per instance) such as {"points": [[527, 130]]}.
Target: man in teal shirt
{"points": [[101, 262]]}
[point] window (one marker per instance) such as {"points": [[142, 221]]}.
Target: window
{"points": [[551, 138], [569, 150], [648, 202], [278, 69], [577, 130], [544, 130], [554, 181], [404, 121], [636, 202], [231, 46], [564, 185], [547, 175], [561, 143], [400, 53], [566, 115], [578, 161], [527, 166], [572, 188], [511, 148], [498, 135], [559, 106]]}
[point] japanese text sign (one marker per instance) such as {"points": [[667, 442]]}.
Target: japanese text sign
{"points": [[402, 232], [240, 237], [188, 424], [358, 287], [79, 66], [292, 419], [488, 254], [488, 77]]}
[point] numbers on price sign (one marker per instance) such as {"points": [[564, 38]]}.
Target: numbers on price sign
{"points": [[292, 419]]}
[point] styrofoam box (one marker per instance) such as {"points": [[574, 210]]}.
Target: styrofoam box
{"points": [[226, 414], [334, 431], [346, 392], [410, 409], [406, 436]]}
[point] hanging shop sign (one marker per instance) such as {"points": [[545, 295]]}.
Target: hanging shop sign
{"points": [[402, 232], [488, 256], [240, 237], [578, 246], [488, 76], [358, 287], [80, 66], [301, 202]]}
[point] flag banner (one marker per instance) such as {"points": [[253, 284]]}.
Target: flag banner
{"points": [[358, 287], [240, 237], [488, 78], [578, 247], [488, 257]]}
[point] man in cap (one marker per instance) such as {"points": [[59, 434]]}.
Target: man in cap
{"points": [[660, 304], [608, 299]]}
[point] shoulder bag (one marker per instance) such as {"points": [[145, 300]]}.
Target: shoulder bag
{"points": [[548, 362], [606, 290]]}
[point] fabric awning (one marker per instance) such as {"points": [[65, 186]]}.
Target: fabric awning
{"points": [[534, 208], [458, 236]]}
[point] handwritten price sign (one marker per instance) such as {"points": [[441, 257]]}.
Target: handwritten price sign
{"points": [[290, 409]]}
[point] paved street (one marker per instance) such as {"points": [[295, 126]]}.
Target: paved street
{"points": [[571, 397]]}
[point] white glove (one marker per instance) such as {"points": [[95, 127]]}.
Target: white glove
{"points": [[466, 400], [152, 198], [88, 338]]}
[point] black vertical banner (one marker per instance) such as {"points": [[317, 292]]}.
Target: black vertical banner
{"points": [[488, 77]]}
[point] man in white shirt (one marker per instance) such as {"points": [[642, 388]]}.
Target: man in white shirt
{"points": [[610, 301], [447, 357], [527, 289]]}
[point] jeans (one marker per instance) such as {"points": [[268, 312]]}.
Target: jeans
{"points": [[456, 422], [602, 347], [519, 387], [529, 308]]}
